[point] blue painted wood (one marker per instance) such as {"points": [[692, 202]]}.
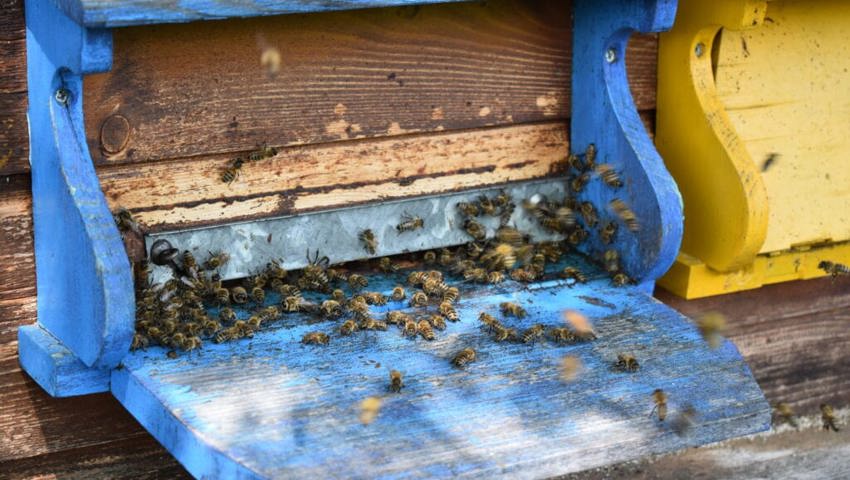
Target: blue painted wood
{"points": [[604, 113], [107, 13], [271, 407], [85, 289], [58, 371]]}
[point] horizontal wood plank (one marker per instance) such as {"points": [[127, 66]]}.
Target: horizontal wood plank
{"points": [[13, 65], [17, 264], [167, 195], [180, 91], [14, 139], [12, 23]]}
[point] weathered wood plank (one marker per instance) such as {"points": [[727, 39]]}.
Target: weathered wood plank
{"points": [[13, 65], [191, 193], [12, 25], [14, 140], [17, 267], [201, 89]]}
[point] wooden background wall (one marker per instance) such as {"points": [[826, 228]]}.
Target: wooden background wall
{"points": [[467, 83]]}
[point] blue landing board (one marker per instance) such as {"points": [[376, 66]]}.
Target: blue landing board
{"points": [[271, 407]]}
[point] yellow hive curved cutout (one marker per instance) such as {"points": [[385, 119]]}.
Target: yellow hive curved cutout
{"points": [[753, 121]]}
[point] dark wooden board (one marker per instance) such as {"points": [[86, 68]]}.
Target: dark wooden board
{"points": [[188, 90], [17, 267], [12, 25]]}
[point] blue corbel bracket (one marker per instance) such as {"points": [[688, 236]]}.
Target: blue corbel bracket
{"points": [[85, 287], [604, 113]]}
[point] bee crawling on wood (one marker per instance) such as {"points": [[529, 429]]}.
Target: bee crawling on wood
{"points": [[783, 413], [451, 294], [488, 320], [125, 221], [410, 328], [572, 273], [396, 382], [386, 265], [834, 269], [827, 416], [292, 303], [659, 397], [562, 335], [609, 175], [510, 309], [495, 278], [315, 338], [429, 257], [464, 357], [139, 341], [347, 328], [448, 311], [611, 261], [232, 172], [331, 309], [425, 330], [239, 295], [626, 363], [608, 232], [410, 223], [625, 214], [375, 298], [419, 299], [398, 293], [437, 321], [261, 153], [502, 333], [216, 260], [475, 229], [533, 333], [356, 281], [588, 212], [369, 323], [579, 181], [590, 157], [395, 317], [468, 209], [370, 242], [620, 280]]}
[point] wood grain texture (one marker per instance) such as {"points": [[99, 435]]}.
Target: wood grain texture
{"points": [[12, 25], [298, 179], [17, 267], [794, 336], [201, 89]]}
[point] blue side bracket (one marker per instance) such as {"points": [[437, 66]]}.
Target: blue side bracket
{"points": [[84, 280], [604, 114]]}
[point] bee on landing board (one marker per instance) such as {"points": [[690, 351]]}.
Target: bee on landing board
{"points": [[315, 338], [827, 416], [464, 357], [370, 242], [783, 413], [626, 363], [410, 223], [232, 172], [659, 397], [834, 269], [396, 382]]}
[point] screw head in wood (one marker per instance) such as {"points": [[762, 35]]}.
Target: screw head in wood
{"points": [[610, 55], [62, 96]]}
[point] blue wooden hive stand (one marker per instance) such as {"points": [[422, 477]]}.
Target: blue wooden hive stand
{"points": [[271, 407]]}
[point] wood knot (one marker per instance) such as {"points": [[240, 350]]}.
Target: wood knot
{"points": [[114, 134]]}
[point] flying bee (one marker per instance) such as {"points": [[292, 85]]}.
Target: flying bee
{"points": [[396, 382], [579, 324], [262, 153], [562, 335], [523, 275], [395, 317], [429, 257], [448, 311], [827, 416], [711, 326], [315, 338], [386, 265], [419, 299], [409, 223], [660, 400], [500, 257], [475, 229], [370, 242], [588, 212], [684, 421], [607, 233], [425, 330], [620, 280], [375, 298], [398, 293], [626, 363], [410, 328], [834, 269], [590, 157], [611, 260], [139, 341], [216, 260], [356, 282], [416, 279], [331, 309], [579, 181], [533, 333], [488, 320], [437, 322], [510, 309], [784, 414], [292, 303], [347, 328], [258, 295], [510, 235], [769, 160], [125, 221], [451, 295], [478, 275], [486, 205], [239, 295], [625, 214], [232, 172], [609, 175], [570, 368], [495, 277], [468, 209], [464, 357]]}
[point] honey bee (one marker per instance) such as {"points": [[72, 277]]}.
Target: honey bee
{"points": [[239, 295], [258, 295], [573, 161], [359, 309], [501, 333], [827, 416], [410, 328], [620, 279], [437, 322], [262, 153], [570, 368], [488, 320], [448, 311], [533, 333], [609, 175], [396, 382], [611, 260], [209, 327], [474, 249], [451, 295], [139, 341], [607, 233], [784, 414], [626, 215], [562, 335], [711, 326], [429, 257], [500, 257], [478, 275], [502, 199], [419, 299], [292, 303], [409, 224], [314, 276], [425, 330], [464, 357], [315, 338], [523, 275], [588, 212], [468, 209], [356, 282], [375, 298], [580, 325], [660, 400], [538, 263], [125, 221], [684, 421], [286, 290], [222, 295], [590, 157], [191, 343], [495, 277], [416, 279], [627, 363], [446, 257], [475, 229], [398, 293], [254, 322], [370, 242], [348, 327], [386, 265], [572, 273], [271, 312], [577, 236], [579, 181], [225, 335], [510, 236], [486, 205], [434, 286], [510, 309], [216, 260], [243, 330], [232, 172], [395, 317], [331, 309], [834, 269], [369, 409]]}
